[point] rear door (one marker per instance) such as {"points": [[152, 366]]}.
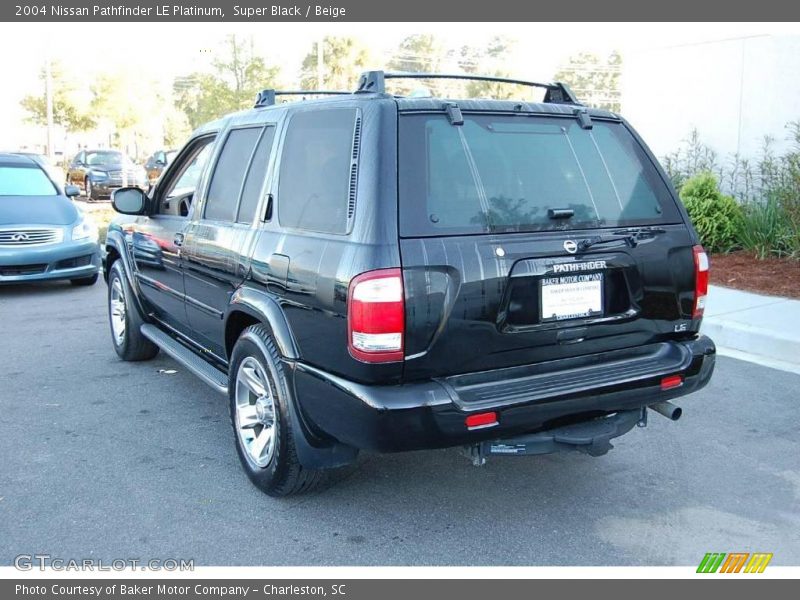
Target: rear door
{"points": [[216, 254], [495, 216]]}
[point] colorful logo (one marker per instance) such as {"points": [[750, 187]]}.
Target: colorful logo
{"points": [[734, 562]]}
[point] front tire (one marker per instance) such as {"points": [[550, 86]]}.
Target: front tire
{"points": [[261, 418], [125, 320]]}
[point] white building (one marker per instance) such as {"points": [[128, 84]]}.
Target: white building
{"points": [[734, 91]]}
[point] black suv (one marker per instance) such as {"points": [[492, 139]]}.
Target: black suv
{"points": [[368, 271]]}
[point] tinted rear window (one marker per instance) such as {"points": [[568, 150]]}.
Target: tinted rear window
{"points": [[503, 173], [315, 170]]}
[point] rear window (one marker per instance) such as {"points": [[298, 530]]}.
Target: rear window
{"points": [[25, 181], [500, 173]]}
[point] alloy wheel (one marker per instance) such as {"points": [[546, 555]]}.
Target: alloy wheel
{"points": [[256, 423], [117, 310]]}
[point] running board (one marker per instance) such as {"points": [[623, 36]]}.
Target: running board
{"points": [[204, 370]]}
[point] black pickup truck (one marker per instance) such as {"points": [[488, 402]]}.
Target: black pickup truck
{"points": [[364, 271]]}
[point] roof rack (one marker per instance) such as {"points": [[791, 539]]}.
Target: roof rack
{"points": [[375, 82], [267, 97]]}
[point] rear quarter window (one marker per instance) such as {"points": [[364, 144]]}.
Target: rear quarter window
{"points": [[314, 180], [503, 173]]}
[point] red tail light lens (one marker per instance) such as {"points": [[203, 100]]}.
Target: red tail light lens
{"points": [[700, 281], [671, 382], [376, 316], [481, 420]]}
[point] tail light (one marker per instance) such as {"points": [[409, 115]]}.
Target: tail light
{"points": [[671, 382], [376, 316], [700, 281], [481, 420]]}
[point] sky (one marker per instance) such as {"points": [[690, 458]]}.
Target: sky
{"points": [[164, 50]]}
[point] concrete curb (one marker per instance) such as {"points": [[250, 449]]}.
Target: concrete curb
{"points": [[752, 340], [754, 325]]}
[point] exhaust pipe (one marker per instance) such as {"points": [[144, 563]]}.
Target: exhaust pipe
{"points": [[668, 409]]}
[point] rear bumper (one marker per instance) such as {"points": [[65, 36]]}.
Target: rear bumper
{"points": [[527, 399], [67, 260]]}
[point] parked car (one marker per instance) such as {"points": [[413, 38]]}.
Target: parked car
{"points": [[99, 172], [53, 171], [43, 236], [157, 162], [384, 273]]}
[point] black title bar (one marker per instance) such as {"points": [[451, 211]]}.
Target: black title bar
{"points": [[399, 10]]}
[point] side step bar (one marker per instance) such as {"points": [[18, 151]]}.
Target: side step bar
{"points": [[205, 371]]}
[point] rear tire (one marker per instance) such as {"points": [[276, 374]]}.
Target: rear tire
{"points": [[124, 319], [85, 280], [261, 418]]}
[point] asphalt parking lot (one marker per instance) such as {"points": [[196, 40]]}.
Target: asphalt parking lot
{"points": [[107, 459]]}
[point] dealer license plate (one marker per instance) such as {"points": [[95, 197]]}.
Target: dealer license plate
{"points": [[571, 297]]}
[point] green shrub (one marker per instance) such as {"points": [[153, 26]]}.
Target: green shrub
{"points": [[717, 218], [766, 229]]}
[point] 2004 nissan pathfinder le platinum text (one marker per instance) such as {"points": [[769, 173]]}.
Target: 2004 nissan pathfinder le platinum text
{"points": [[369, 271]]}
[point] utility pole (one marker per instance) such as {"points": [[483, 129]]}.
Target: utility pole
{"points": [[48, 91], [320, 64]]}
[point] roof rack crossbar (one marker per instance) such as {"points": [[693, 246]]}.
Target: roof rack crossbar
{"points": [[375, 82], [268, 97]]}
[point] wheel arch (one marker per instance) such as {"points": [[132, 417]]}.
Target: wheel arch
{"points": [[115, 250], [111, 256], [250, 306]]}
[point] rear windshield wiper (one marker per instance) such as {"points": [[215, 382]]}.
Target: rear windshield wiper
{"points": [[630, 236], [560, 213]]}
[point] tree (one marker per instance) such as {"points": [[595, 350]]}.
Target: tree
{"points": [[491, 61], [343, 60], [176, 128], [132, 113], [68, 111], [418, 53], [594, 80], [237, 77], [135, 117], [202, 97]]}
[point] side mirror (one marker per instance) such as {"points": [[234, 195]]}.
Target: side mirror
{"points": [[129, 201], [72, 191]]}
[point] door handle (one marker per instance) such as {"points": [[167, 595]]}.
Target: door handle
{"points": [[179, 239]]}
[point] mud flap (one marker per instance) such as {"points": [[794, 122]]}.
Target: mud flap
{"points": [[327, 456]]}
